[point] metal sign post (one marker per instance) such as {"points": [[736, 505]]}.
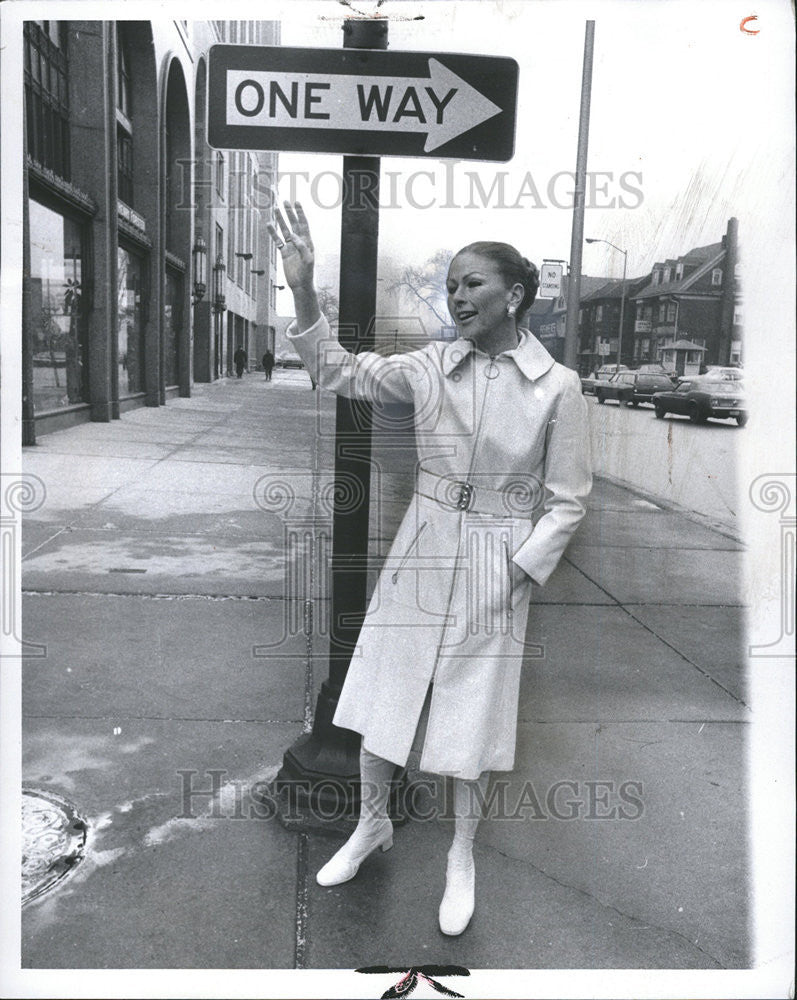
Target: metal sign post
{"points": [[322, 768]]}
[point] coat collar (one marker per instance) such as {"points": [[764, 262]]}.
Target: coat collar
{"points": [[529, 355]]}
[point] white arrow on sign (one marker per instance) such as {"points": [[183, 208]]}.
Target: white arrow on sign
{"points": [[442, 105]]}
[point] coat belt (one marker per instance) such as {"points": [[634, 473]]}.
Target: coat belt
{"points": [[520, 499]]}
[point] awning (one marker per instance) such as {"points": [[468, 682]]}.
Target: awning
{"points": [[682, 345]]}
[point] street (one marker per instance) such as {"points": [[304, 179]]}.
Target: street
{"points": [[156, 569]]}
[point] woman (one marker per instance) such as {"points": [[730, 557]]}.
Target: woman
{"points": [[503, 471]]}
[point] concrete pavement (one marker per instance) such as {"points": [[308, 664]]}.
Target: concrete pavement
{"points": [[164, 553]]}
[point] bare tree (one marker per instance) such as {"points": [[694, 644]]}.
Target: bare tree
{"points": [[426, 282], [328, 303]]}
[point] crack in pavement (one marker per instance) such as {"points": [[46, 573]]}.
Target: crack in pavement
{"points": [[158, 597], [45, 542], [608, 906], [632, 721], [164, 718], [625, 608]]}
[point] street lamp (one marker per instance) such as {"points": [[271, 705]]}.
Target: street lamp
{"points": [[218, 284], [218, 309], [199, 263], [622, 294]]}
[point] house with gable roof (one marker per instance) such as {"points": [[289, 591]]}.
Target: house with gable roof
{"points": [[689, 313]]}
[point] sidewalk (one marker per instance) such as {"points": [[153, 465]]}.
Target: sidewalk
{"points": [[150, 573]]}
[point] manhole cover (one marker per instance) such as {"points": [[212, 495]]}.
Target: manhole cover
{"points": [[53, 841]]}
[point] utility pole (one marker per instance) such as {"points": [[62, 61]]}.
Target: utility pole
{"points": [[622, 312], [728, 300], [577, 236]]}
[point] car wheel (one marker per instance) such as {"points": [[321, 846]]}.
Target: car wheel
{"points": [[601, 397], [741, 420], [695, 415], [635, 402], [659, 411]]}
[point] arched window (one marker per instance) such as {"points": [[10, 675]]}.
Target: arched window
{"points": [[716, 276]]}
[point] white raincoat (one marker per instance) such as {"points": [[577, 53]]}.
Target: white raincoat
{"points": [[503, 473]]}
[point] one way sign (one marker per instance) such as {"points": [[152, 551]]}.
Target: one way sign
{"points": [[362, 101]]}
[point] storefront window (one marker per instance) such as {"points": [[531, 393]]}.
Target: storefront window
{"points": [[58, 334], [173, 315], [131, 324]]}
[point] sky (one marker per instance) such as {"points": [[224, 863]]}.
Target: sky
{"points": [[679, 139]]}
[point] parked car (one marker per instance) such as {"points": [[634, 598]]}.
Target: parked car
{"points": [[656, 369], [604, 372], [289, 361], [725, 373], [717, 372], [631, 387], [701, 397]]}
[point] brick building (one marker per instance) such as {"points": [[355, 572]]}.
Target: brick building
{"points": [[599, 323], [689, 312], [121, 194]]}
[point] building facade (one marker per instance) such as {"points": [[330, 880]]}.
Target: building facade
{"points": [[599, 324], [689, 313], [554, 325], [126, 210]]}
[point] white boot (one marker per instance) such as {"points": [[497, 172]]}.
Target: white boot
{"points": [[374, 828], [459, 898], [346, 863]]}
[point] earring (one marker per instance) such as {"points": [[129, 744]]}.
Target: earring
{"points": [[510, 309]]}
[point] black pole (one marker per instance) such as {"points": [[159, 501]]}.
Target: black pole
{"points": [[322, 768]]}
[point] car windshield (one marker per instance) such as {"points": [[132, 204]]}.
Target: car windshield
{"points": [[725, 374], [728, 388]]}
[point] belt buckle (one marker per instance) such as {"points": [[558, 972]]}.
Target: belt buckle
{"points": [[465, 496]]}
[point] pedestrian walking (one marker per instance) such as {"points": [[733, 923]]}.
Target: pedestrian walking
{"points": [[240, 360], [501, 483], [268, 364]]}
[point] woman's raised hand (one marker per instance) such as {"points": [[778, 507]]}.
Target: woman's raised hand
{"points": [[295, 245]]}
